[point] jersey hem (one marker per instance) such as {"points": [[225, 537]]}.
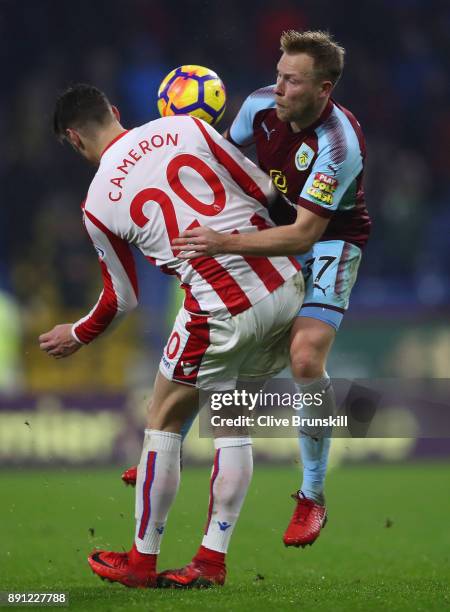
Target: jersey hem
{"points": [[328, 306], [257, 293]]}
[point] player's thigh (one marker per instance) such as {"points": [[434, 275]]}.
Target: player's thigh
{"points": [[311, 341], [330, 270], [202, 351], [267, 352], [172, 403]]}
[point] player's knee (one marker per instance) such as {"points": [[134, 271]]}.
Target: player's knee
{"points": [[307, 362]]}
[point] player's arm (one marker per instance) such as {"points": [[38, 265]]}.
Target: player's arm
{"points": [[292, 239], [119, 294]]}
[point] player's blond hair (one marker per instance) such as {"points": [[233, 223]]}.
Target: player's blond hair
{"points": [[327, 54]]}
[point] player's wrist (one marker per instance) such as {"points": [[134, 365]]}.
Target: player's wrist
{"points": [[228, 243], [74, 335]]}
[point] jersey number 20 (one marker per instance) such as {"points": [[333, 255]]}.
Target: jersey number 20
{"points": [[153, 194]]}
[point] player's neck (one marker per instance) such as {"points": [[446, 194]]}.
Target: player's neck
{"points": [[309, 118], [106, 137]]}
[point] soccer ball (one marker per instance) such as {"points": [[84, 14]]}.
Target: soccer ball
{"points": [[192, 90]]}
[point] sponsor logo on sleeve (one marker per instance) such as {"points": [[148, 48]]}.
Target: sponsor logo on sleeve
{"points": [[323, 188], [304, 157]]}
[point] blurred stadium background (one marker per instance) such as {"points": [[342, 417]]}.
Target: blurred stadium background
{"points": [[90, 408]]}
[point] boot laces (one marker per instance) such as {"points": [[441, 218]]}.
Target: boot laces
{"points": [[304, 507]]}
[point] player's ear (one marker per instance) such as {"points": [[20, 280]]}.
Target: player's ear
{"points": [[116, 112], [326, 88], [73, 137]]}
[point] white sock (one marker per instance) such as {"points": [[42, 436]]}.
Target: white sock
{"points": [[230, 478], [157, 483]]}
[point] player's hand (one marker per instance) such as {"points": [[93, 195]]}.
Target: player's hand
{"points": [[199, 242], [59, 342]]}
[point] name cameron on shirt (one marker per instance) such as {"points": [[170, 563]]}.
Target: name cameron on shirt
{"points": [[133, 156]]}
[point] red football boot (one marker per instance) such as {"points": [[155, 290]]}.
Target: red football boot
{"points": [[130, 475], [306, 522], [207, 569], [132, 569]]}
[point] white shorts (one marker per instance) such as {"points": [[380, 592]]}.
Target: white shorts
{"points": [[212, 353]]}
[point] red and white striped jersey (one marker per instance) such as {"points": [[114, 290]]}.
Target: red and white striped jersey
{"points": [[154, 182]]}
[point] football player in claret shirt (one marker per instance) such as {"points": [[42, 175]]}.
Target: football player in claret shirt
{"points": [[314, 150], [152, 183]]}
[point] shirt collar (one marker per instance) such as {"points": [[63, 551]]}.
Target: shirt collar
{"points": [[113, 141]]}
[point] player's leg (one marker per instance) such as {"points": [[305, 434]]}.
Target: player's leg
{"points": [[311, 343], [158, 473], [231, 475], [330, 272], [157, 484]]}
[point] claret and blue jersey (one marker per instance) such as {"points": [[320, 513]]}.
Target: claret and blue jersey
{"points": [[320, 168]]}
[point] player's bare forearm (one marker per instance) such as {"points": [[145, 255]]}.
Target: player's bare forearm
{"points": [[286, 240], [59, 342], [203, 241], [291, 239]]}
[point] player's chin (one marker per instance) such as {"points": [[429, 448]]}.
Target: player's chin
{"points": [[282, 113]]}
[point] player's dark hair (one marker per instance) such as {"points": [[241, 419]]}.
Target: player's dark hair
{"points": [[327, 54], [80, 106]]}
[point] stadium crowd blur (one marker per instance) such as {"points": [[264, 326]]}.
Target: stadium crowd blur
{"points": [[395, 81]]}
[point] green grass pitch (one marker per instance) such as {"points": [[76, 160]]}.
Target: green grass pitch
{"points": [[386, 545]]}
